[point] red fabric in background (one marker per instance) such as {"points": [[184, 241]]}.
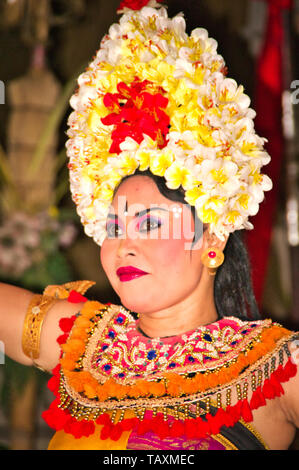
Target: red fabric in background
{"points": [[267, 104]]}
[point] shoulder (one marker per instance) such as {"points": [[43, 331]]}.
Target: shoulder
{"points": [[70, 300], [281, 353], [290, 400]]}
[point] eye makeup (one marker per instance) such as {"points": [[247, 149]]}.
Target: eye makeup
{"points": [[144, 219], [148, 219], [113, 224]]}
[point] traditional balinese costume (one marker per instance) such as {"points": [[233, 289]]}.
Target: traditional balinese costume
{"points": [[155, 98]]}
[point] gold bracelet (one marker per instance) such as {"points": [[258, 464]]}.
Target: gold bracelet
{"points": [[37, 310], [36, 313]]}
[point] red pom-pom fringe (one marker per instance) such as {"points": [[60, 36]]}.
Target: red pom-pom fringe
{"points": [[66, 324], [75, 298]]}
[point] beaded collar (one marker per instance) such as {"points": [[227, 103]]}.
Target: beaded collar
{"points": [[118, 350], [111, 375]]}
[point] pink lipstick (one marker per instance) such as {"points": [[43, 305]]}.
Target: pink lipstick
{"points": [[127, 273]]}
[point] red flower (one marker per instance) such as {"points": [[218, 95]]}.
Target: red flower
{"points": [[133, 4], [56, 370], [136, 110]]}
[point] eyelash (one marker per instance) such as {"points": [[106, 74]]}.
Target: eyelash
{"points": [[146, 219], [150, 219]]}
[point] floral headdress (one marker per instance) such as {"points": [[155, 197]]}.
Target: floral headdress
{"points": [[156, 98]]}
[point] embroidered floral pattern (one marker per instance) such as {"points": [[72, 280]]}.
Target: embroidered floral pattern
{"points": [[118, 350]]}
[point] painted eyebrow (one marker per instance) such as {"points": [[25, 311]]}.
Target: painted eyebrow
{"points": [[139, 214]]}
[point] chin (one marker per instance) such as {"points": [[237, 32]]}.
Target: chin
{"points": [[137, 303]]}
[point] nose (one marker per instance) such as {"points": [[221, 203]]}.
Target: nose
{"points": [[126, 247]]}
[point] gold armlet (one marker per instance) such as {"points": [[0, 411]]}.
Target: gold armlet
{"points": [[38, 307], [37, 310]]}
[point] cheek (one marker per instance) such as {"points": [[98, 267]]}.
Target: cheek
{"points": [[106, 256], [169, 256]]}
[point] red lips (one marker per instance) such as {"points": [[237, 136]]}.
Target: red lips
{"points": [[127, 273]]}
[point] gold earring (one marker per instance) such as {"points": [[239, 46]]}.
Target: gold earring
{"points": [[212, 258]]}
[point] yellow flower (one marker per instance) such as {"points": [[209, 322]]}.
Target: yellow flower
{"points": [[207, 216], [114, 178], [176, 176], [249, 148], [204, 136], [232, 216], [106, 192], [127, 164], [216, 202], [217, 163], [155, 70], [257, 177], [191, 195], [144, 158], [219, 176], [197, 76], [160, 162], [243, 200]]}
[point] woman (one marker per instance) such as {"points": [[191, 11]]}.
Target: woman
{"points": [[165, 167]]}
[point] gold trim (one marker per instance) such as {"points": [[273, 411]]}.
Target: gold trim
{"points": [[224, 441], [62, 291], [255, 433]]}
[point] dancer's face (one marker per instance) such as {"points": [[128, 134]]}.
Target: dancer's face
{"points": [[157, 242]]}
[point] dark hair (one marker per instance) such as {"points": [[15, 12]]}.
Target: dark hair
{"points": [[233, 292]]}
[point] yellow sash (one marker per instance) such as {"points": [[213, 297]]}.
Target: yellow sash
{"points": [[65, 441]]}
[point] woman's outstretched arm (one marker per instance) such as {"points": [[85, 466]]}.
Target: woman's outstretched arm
{"points": [[14, 302]]}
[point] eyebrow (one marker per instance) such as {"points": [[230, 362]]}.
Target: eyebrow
{"points": [[139, 214]]}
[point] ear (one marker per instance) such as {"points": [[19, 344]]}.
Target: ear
{"points": [[210, 240]]}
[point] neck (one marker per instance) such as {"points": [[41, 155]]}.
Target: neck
{"points": [[196, 310]]}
